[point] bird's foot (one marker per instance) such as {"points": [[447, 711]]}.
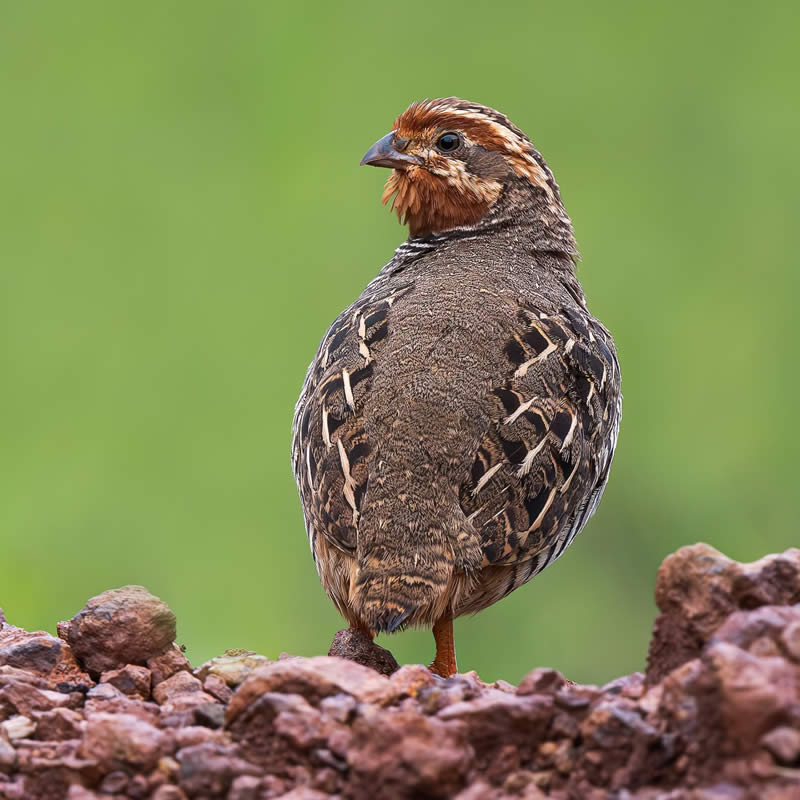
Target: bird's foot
{"points": [[443, 670], [444, 663]]}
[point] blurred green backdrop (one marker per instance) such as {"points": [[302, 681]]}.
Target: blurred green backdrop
{"points": [[182, 215]]}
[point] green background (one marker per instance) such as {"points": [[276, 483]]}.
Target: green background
{"points": [[182, 215]]}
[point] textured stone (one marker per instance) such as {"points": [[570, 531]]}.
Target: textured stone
{"points": [[130, 679], [722, 725], [8, 755], [755, 694], [217, 687], [698, 588], [119, 627], [209, 769], [233, 666], [178, 684], [541, 681], [784, 744], [122, 740], [355, 645], [40, 654], [408, 755], [167, 664], [60, 723], [17, 727], [313, 678]]}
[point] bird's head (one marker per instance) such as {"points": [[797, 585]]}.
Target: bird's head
{"points": [[452, 161]]}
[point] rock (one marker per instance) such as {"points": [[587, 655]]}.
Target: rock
{"points": [[408, 755], [167, 792], [119, 741], [167, 664], [233, 666], [210, 715], [355, 645], [40, 654], [130, 679], [190, 735], [8, 755], [120, 627], [784, 744], [77, 792], [312, 678], [274, 727], [759, 631], [18, 727], [216, 686], [339, 707], [180, 683], [245, 787], [408, 681], [58, 724], [209, 769], [698, 587], [496, 720], [716, 718], [755, 694], [22, 698], [304, 793], [541, 681], [115, 782]]}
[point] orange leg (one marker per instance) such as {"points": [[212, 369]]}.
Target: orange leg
{"points": [[360, 626], [444, 663]]}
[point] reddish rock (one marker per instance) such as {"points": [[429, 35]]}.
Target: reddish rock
{"points": [[312, 678], [245, 787], [180, 683], [22, 698], [495, 720], [541, 681], [304, 793], [168, 792], [8, 756], [119, 627], [117, 741], [209, 769], [355, 645], [216, 686], [755, 694], [58, 724], [40, 654], [130, 679], [167, 664], [408, 755], [784, 744], [718, 717], [698, 587]]}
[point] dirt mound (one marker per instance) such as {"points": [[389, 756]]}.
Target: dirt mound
{"points": [[112, 709]]}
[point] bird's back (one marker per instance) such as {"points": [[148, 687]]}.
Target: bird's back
{"points": [[455, 430]]}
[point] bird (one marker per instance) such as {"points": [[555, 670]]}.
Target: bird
{"points": [[457, 424]]}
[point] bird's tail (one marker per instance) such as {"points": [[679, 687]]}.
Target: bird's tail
{"points": [[404, 577]]}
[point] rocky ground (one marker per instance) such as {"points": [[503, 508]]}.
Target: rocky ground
{"points": [[112, 709]]}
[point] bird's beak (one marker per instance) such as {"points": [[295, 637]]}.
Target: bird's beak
{"points": [[384, 154]]}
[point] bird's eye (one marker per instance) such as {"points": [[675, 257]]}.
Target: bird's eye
{"points": [[448, 142]]}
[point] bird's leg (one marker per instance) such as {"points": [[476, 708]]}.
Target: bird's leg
{"points": [[444, 664], [360, 626]]}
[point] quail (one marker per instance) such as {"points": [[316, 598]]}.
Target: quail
{"points": [[456, 427]]}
